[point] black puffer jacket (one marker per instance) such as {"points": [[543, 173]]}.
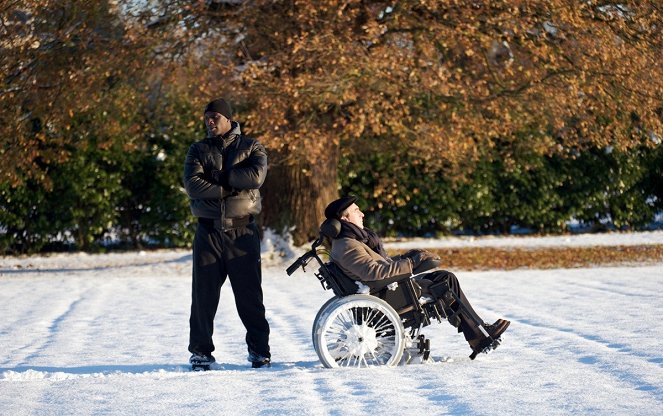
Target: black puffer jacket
{"points": [[243, 158]]}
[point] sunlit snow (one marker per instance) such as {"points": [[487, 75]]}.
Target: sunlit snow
{"points": [[107, 334]]}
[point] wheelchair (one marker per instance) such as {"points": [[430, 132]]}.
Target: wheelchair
{"points": [[371, 324]]}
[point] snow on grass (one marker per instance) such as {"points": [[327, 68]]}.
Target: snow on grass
{"points": [[570, 240], [107, 334]]}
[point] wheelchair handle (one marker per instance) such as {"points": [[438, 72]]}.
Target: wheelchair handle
{"points": [[300, 262]]}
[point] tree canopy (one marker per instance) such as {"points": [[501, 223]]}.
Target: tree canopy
{"points": [[442, 88]]}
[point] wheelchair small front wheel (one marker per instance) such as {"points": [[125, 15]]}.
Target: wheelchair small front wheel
{"points": [[358, 331]]}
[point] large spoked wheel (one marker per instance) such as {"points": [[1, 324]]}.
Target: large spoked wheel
{"points": [[327, 305], [358, 331]]}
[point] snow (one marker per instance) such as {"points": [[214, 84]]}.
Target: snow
{"points": [[107, 334], [570, 240]]}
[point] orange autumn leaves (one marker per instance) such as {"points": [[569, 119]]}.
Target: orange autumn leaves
{"points": [[490, 258]]}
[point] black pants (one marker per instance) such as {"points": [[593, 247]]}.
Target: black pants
{"points": [[235, 254], [467, 325]]}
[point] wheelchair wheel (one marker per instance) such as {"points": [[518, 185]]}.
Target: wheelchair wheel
{"points": [[322, 310], [358, 331]]}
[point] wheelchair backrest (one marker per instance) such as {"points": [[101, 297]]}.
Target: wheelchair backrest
{"points": [[333, 276], [337, 281]]}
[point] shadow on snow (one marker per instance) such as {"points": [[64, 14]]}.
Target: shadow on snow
{"points": [[106, 370]]}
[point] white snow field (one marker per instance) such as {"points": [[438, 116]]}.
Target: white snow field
{"points": [[107, 335]]}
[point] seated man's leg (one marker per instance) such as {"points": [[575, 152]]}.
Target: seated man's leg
{"points": [[468, 320], [476, 332]]}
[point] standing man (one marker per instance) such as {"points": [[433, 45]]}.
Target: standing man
{"points": [[222, 174]]}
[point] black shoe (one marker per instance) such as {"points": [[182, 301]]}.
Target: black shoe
{"points": [[265, 362], [259, 361], [497, 329], [201, 361]]}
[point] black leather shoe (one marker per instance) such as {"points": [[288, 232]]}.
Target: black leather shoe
{"points": [[497, 329]]}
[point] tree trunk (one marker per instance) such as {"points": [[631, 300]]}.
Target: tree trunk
{"points": [[295, 194]]}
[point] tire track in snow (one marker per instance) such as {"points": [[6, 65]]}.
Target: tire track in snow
{"points": [[293, 320], [290, 340], [23, 356], [288, 324], [40, 343], [21, 332], [623, 359], [335, 387], [605, 346], [616, 290], [378, 390]]}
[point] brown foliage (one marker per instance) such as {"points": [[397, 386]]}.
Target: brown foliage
{"points": [[442, 80], [63, 60], [489, 258], [311, 79]]}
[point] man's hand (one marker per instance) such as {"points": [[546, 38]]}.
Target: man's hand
{"points": [[411, 253], [220, 177], [422, 260], [420, 254]]}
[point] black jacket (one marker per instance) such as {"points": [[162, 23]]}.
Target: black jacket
{"points": [[245, 162]]}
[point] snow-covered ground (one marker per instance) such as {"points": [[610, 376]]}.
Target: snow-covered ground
{"points": [[569, 240], [107, 334]]}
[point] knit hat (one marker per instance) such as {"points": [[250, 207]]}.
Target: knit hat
{"points": [[220, 106], [335, 208]]}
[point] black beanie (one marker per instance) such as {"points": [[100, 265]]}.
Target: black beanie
{"points": [[336, 208], [220, 106]]}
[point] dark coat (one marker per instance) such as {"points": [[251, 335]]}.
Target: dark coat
{"points": [[244, 160]]}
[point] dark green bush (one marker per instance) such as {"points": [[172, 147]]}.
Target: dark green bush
{"points": [[597, 188], [125, 192]]}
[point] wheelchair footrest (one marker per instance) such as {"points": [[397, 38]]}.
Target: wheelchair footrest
{"points": [[417, 351], [488, 348], [424, 347]]}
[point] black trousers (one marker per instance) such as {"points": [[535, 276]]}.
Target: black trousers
{"points": [[467, 325], [217, 255]]}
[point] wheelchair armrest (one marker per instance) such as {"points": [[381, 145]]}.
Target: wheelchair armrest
{"points": [[378, 285]]}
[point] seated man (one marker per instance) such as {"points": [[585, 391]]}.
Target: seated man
{"points": [[359, 252]]}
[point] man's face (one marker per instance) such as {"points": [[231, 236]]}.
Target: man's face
{"points": [[216, 124], [354, 215]]}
